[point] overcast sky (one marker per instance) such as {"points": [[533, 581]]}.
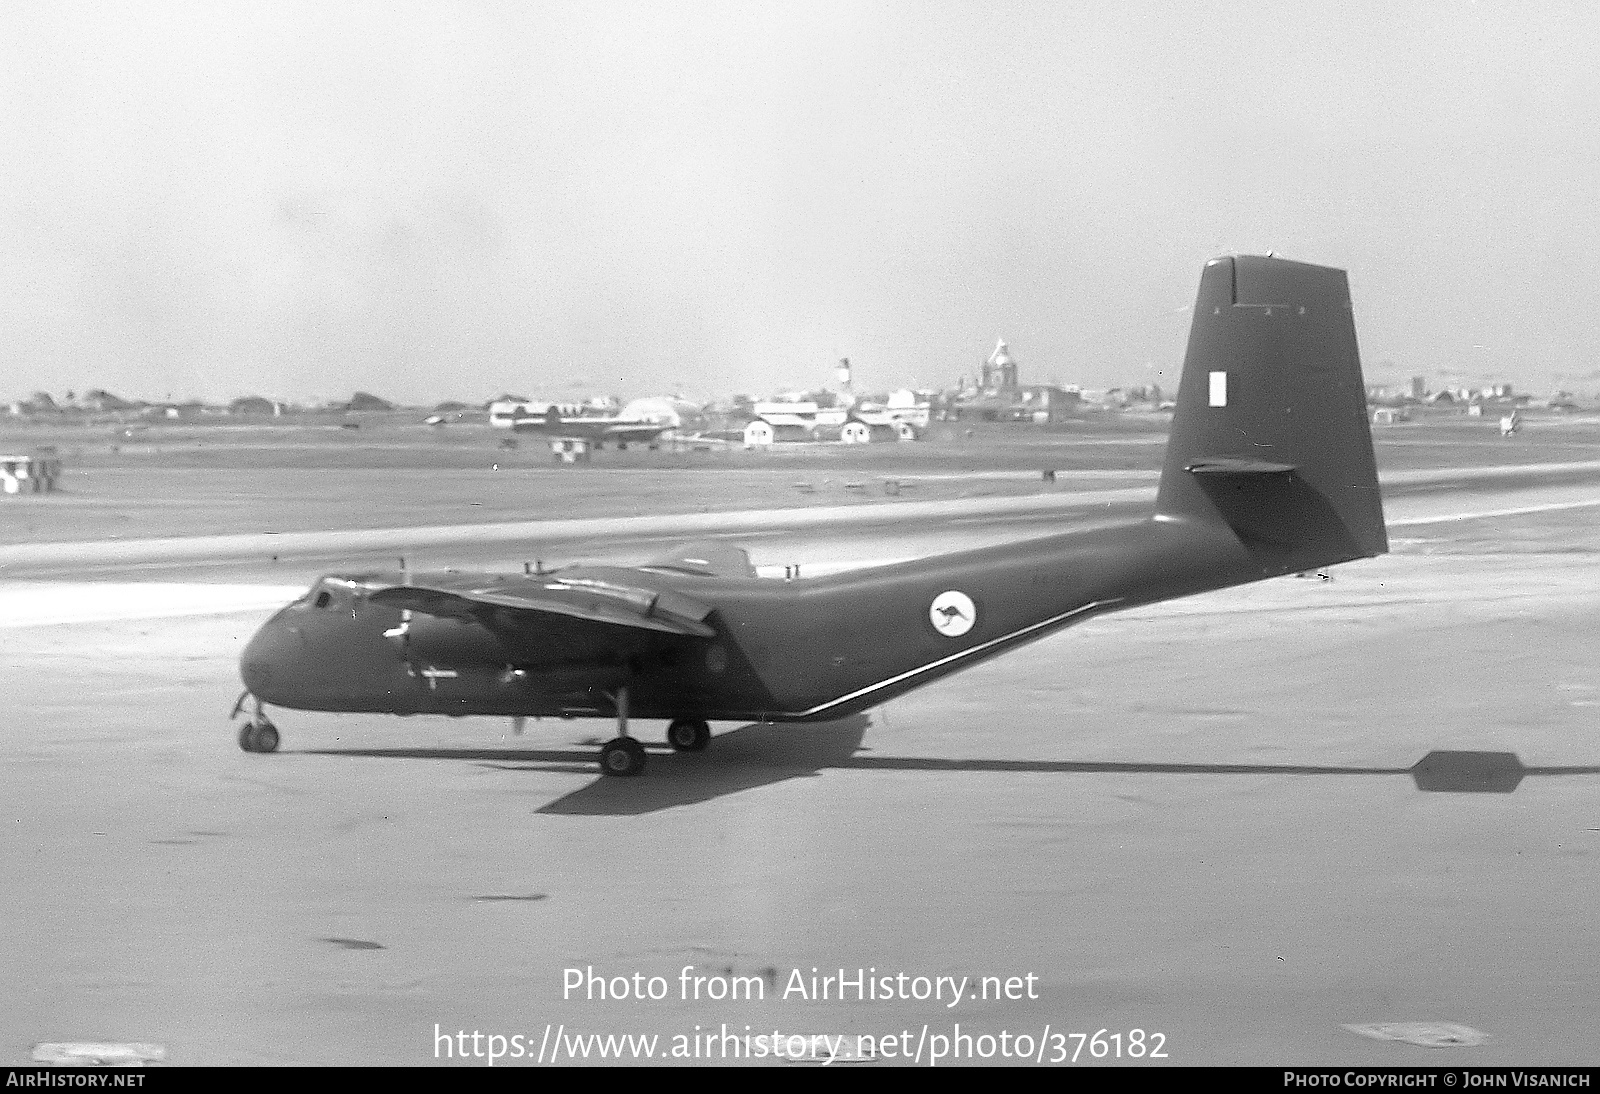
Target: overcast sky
{"points": [[451, 200]]}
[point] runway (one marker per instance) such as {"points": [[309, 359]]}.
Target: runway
{"points": [[1243, 821]]}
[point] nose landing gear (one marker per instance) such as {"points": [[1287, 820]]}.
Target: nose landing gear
{"points": [[258, 734], [259, 737]]}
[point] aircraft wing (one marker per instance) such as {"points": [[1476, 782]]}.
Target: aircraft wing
{"points": [[576, 598], [641, 430]]}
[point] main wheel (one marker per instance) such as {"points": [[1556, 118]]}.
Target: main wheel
{"points": [[688, 735], [247, 737], [622, 756]]}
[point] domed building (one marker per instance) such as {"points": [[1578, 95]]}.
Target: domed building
{"points": [[1000, 370], [1001, 397]]}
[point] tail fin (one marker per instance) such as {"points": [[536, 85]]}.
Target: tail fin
{"points": [[1270, 433]]}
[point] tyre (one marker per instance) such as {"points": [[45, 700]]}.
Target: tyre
{"points": [[688, 735], [623, 756], [266, 737]]}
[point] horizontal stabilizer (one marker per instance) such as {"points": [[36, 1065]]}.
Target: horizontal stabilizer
{"points": [[596, 601], [708, 558], [1233, 465]]}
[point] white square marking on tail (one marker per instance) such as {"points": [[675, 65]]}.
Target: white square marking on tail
{"points": [[1219, 389]]}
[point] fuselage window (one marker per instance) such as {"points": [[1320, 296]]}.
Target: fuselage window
{"points": [[323, 597]]}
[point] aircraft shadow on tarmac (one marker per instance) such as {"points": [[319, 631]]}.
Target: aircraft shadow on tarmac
{"points": [[741, 759], [761, 755]]}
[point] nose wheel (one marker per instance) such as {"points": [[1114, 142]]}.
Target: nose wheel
{"points": [[258, 734]]}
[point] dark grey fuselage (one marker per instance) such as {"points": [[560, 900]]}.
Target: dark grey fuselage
{"points": [[801, 650]]}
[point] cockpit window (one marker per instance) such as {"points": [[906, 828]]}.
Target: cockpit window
{"points": [[323, 597]]}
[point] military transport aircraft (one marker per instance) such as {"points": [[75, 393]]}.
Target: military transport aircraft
{"points": [[559, 421], [1269, 471]]}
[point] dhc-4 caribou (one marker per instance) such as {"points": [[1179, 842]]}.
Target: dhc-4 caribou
{"points": [[1268, 471]]}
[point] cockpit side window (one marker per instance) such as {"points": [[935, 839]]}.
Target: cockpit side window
{"points": [[322, 598]]}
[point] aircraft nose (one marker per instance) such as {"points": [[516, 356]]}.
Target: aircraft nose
{"points": [[267, 660]]}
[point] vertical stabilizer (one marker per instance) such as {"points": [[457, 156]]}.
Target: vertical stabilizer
{"points": [[1270, 434]]}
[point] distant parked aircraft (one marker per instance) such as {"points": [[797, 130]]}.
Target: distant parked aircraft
{"points": [[554, 420]]}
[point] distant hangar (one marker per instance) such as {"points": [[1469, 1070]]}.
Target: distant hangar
{"points": [[782, 422]]}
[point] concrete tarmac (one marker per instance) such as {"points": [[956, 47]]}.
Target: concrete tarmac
{"points": [[1243, 821]]}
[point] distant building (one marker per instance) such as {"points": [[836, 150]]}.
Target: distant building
{"points": [[35, 474], [1000, 370], [761, 432], [843, 388], [783, 421], [913, 408], [1001, 397], [174, 411], [1047, 403]]}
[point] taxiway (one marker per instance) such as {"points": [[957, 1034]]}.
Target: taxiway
{"points": [[1243, 820]]}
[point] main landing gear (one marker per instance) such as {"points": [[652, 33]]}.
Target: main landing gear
{"points": [[688, 735], [623, 755], [257, 734]]}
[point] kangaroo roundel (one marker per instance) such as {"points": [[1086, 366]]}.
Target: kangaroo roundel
{"points": [[952, 614]]}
